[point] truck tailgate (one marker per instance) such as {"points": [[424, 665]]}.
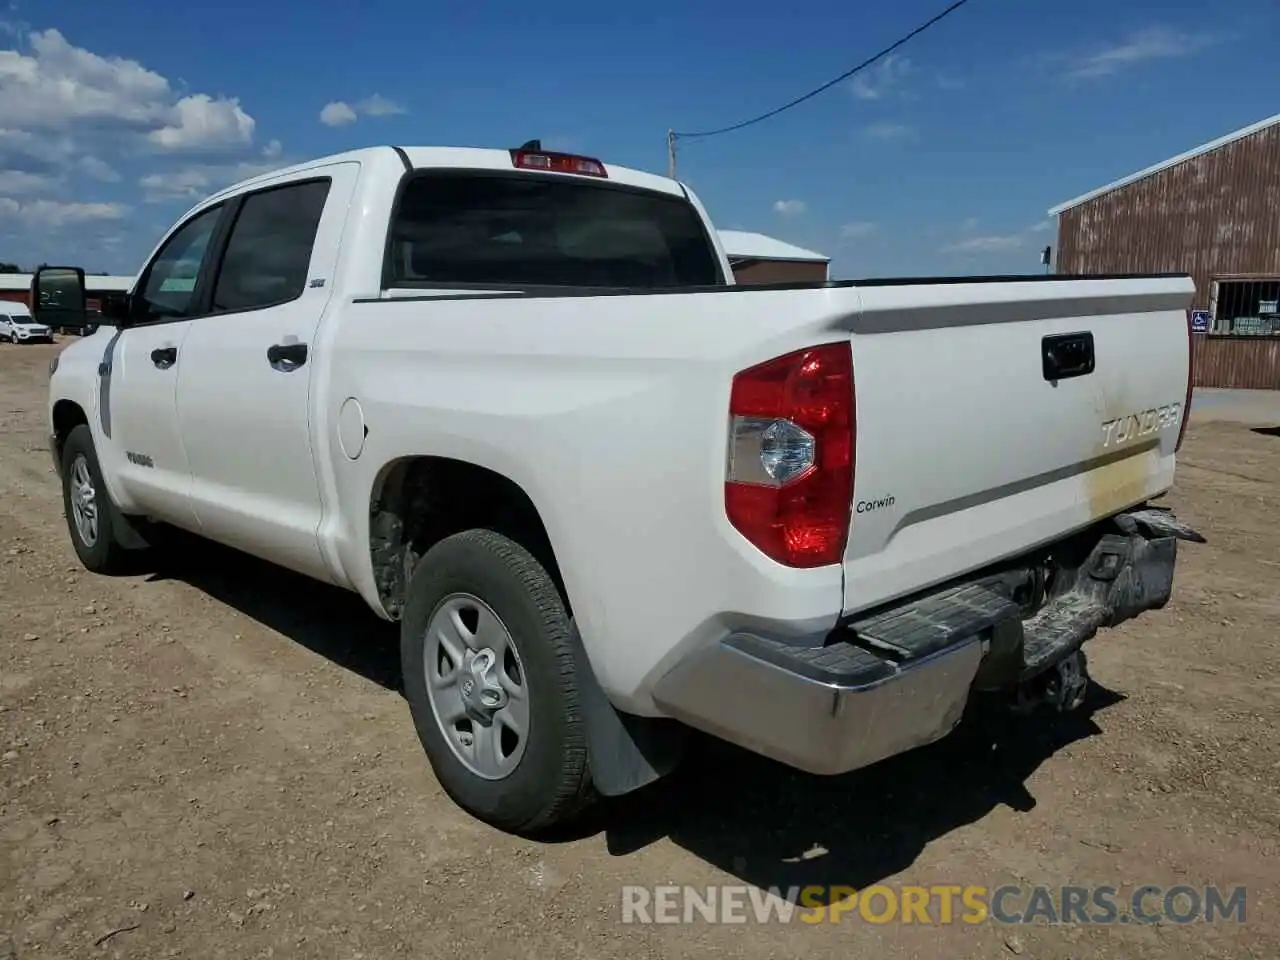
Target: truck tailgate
{"points": [[972, 447]]}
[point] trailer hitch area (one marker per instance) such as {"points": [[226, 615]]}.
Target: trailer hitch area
{"points": [[1061, 688]]}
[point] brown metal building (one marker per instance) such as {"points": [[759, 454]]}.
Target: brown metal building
{"points": [[1213, 212], [756, 258]]}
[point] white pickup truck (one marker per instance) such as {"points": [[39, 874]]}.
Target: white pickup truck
{"points": [[513, 399]]}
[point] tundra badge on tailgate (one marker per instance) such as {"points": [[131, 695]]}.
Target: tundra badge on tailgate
{"points": [[1141, 424]]}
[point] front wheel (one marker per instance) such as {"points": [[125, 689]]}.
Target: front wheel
{"points": [[487, 652], [88, 506]]}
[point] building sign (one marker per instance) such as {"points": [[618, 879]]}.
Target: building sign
{"points": [[1199, 321], [1268, 306], [1252, 326]]}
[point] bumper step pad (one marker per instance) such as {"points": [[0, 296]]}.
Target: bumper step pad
{"points": [[934, 623], [1121, 576]]}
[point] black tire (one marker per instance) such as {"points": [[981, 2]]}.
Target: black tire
{"points": [[105, 554], [551, 782]]}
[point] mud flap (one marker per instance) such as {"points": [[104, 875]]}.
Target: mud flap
{"points": [[126, 534], [626, 752]]}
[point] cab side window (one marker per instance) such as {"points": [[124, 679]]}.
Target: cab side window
{"points": [[269, 251], [170, 286]]}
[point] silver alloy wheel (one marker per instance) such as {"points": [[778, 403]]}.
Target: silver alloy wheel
{"points": [[84, 503], [476, 684]]}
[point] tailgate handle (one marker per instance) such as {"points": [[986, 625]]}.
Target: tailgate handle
{"points": [[1067, 355]]}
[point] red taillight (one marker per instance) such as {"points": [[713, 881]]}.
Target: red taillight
{"points": [[1191, 382], [789, 486], [558, 163]]}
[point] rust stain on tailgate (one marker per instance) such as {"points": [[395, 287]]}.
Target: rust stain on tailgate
{"points": [[1126, 455], [1120, 484]]}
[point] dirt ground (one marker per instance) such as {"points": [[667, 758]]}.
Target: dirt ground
{"points": [[212, 760]]}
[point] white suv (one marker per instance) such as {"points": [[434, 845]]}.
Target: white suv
{"points": [[21, 328]]}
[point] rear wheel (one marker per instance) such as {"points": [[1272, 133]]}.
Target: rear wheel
{"points": [[488, 665], [88, 506]]}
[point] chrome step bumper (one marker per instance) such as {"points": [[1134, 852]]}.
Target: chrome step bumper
{"points": [[901, 677]]}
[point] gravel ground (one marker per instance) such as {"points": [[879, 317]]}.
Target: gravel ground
{"points": [[212, 759]]}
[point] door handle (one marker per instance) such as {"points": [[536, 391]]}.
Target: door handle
{"points": [[164, 357], [1067, 355], [286, 357]]}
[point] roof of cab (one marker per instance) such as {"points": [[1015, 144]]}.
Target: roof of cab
{"points": [[486, 159], [473, 158]]}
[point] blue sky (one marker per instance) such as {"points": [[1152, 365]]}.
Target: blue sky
{"points": [[113, 120]]}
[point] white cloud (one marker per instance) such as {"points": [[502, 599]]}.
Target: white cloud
{"points": [[965, 241], [24, 173], [175, 184], [857, 229], [202, 121], [53, 214], [38, 152], [74, 126], [1153, 43], [789, 208], [56, 87], [23, 182], [339, 112], [378, 106], [888, 130], [998, 243], [881, 78], [98, 169], [198, 181]]}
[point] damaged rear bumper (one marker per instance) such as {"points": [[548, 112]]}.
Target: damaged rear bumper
{"points": [[899, 678]]}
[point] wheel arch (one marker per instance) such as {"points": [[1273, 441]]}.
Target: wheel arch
{"points": [[417, 501], [66, 416]]}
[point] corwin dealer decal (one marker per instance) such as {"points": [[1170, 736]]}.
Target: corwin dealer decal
{"points": [[870, 506]]}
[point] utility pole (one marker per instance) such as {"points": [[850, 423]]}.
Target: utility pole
{"points": [[671, 154]]}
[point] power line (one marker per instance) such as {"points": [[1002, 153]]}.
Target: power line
{"points": [[673, 135]]}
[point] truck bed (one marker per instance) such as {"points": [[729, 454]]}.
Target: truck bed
{"points": [[964, 452]]}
